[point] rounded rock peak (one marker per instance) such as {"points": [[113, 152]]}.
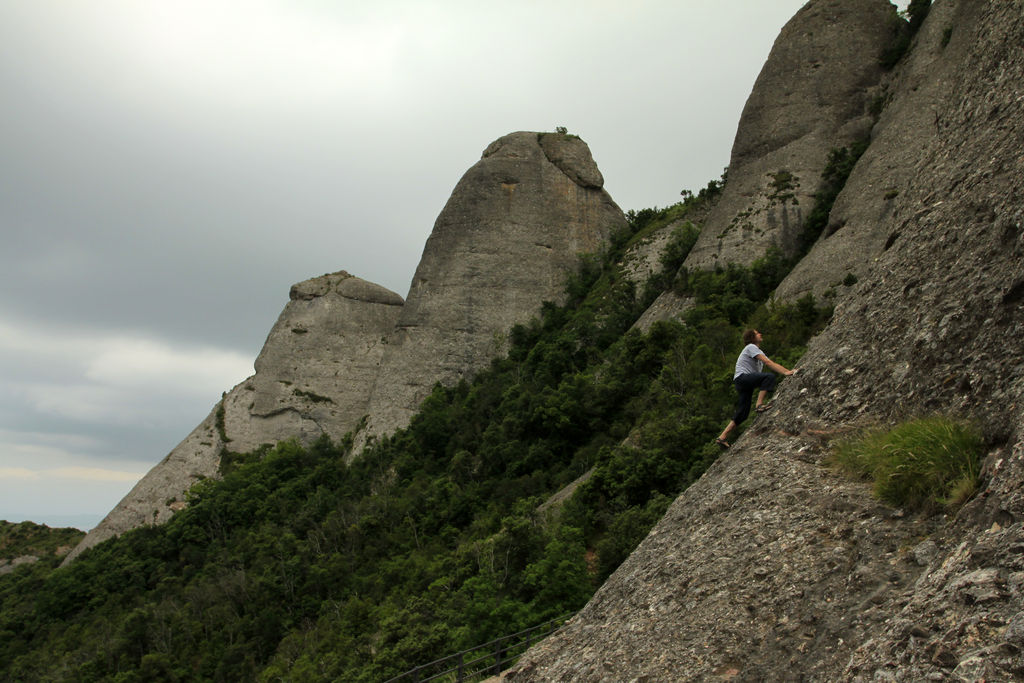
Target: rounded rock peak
{"points": [[346, 285], [569, 153], [519, 145]]}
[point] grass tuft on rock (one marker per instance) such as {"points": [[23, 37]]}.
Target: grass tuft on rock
{"points": [[922, 464]]}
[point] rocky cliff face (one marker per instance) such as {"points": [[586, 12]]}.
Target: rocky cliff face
{"points": [[858, 225], [505, 242], [815, 93], [313, 377], [811, 96], [775, 567], [317, 368]]}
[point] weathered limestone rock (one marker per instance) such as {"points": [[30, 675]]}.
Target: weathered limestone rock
{"points": [[644, 258], [810, 97], [318, 365], [504, 243], [860, 221], [668, 306], [928, 326], [774, 567], [313, 377]]}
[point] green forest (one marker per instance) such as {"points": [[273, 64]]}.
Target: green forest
{"points": [[295, 566]]}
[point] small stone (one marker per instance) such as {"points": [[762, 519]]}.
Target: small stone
{"points": [[945, 658], [975, 667], [926, 552], [919, 631], [1014, 632]]}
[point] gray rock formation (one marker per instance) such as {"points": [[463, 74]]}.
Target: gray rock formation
{"points": [[505, 242], [773, 566], [931, 328], [811, 96], [931, 325], [668, 306], [318, 365], [313, 377], [642, 260], [875, 191]]}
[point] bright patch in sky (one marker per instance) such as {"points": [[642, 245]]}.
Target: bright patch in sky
{"points": [[246, 54], [100, 377], [75, 473]]}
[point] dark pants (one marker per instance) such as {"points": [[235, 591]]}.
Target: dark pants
{"points": [[745, 386]]}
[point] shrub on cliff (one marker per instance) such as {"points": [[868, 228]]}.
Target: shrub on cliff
{"points": [[833, 178], [920, 464]]}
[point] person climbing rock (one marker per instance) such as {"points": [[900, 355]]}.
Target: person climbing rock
{"points": [[750, 375]]}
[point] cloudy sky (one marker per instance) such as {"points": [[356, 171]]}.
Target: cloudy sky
{"points": [[169, 169]]}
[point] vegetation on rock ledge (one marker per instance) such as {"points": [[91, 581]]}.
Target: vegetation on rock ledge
{"points": [[27, 538], [920, 464]]}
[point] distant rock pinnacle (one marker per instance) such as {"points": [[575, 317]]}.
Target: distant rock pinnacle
{"points": [[505, 242]]}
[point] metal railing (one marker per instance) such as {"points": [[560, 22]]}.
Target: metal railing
{"points": [[476, 663]]}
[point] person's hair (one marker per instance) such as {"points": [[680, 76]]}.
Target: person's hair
{"points": [[750, 336]]}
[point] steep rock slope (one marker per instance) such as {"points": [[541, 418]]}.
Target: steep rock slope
{"points": [[766, 565], [810, 97], [774, 567], [646, 256], [313, 377], [932, 329], [505, 242]]}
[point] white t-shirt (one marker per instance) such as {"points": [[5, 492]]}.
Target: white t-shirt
{"points": [[748, 363]]}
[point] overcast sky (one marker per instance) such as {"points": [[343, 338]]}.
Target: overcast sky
{"points": [[170, 169]]}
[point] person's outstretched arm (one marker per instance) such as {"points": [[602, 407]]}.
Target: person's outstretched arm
{"points": [[774, 366]]}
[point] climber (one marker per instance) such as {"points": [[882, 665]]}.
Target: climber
{"points": [[749, 375]]}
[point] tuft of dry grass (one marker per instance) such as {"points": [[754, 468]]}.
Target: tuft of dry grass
{"points": [[921, 464]]}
